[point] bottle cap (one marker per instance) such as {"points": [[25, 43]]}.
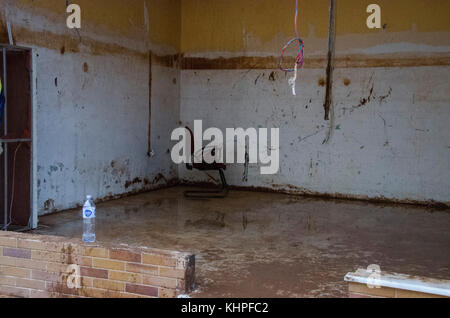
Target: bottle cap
{"points": [[89, 197]]}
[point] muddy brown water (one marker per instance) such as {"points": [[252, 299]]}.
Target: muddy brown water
{"points": [[253, 244]]}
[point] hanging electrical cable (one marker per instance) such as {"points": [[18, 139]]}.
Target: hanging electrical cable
{"points": [[299, 58]]}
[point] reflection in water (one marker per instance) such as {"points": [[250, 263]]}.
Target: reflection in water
{"points": [[270, 245]]}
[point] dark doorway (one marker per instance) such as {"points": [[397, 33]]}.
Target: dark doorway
{"points": [[16, 139]]}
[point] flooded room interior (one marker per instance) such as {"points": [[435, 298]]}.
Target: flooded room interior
{"points": [[224, 149]]}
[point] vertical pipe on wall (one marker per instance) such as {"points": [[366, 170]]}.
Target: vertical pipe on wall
{"points": [[328, 104], [33, 211], [5, 152], [150, 79]]}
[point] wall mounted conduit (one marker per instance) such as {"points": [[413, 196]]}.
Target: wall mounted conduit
{"points": [[328, 104]]}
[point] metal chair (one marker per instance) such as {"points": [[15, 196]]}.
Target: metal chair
{"points": [[204, 166]]}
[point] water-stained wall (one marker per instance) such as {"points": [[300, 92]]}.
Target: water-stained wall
{"points": [[94, 106], [389, 133], [93, 110]]}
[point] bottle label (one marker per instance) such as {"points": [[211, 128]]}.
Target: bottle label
{"points": [[88, 213]]}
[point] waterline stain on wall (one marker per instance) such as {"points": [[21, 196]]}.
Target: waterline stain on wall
{"points": [[217, 51]]}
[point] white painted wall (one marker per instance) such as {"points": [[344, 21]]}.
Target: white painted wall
{"points": [[396, 147], [92, 127]]}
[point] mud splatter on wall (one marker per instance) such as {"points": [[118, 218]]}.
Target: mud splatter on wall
{"points": [[395, 145], [92, 95], [385, 140]]}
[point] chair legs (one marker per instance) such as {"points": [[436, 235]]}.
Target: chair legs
{"points": [[206, 194]]}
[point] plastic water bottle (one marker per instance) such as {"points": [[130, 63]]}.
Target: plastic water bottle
{"points": [[89, 220]]}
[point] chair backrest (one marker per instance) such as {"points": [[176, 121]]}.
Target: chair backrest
{"points": [[192, 140]]}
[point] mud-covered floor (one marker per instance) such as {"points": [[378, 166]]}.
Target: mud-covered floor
{"points": [[273, 245]]}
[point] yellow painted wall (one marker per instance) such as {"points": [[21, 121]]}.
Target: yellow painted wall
{"points": [[117, 16], [264, 25], [251, 26], [165, 22], [125, 18]]}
